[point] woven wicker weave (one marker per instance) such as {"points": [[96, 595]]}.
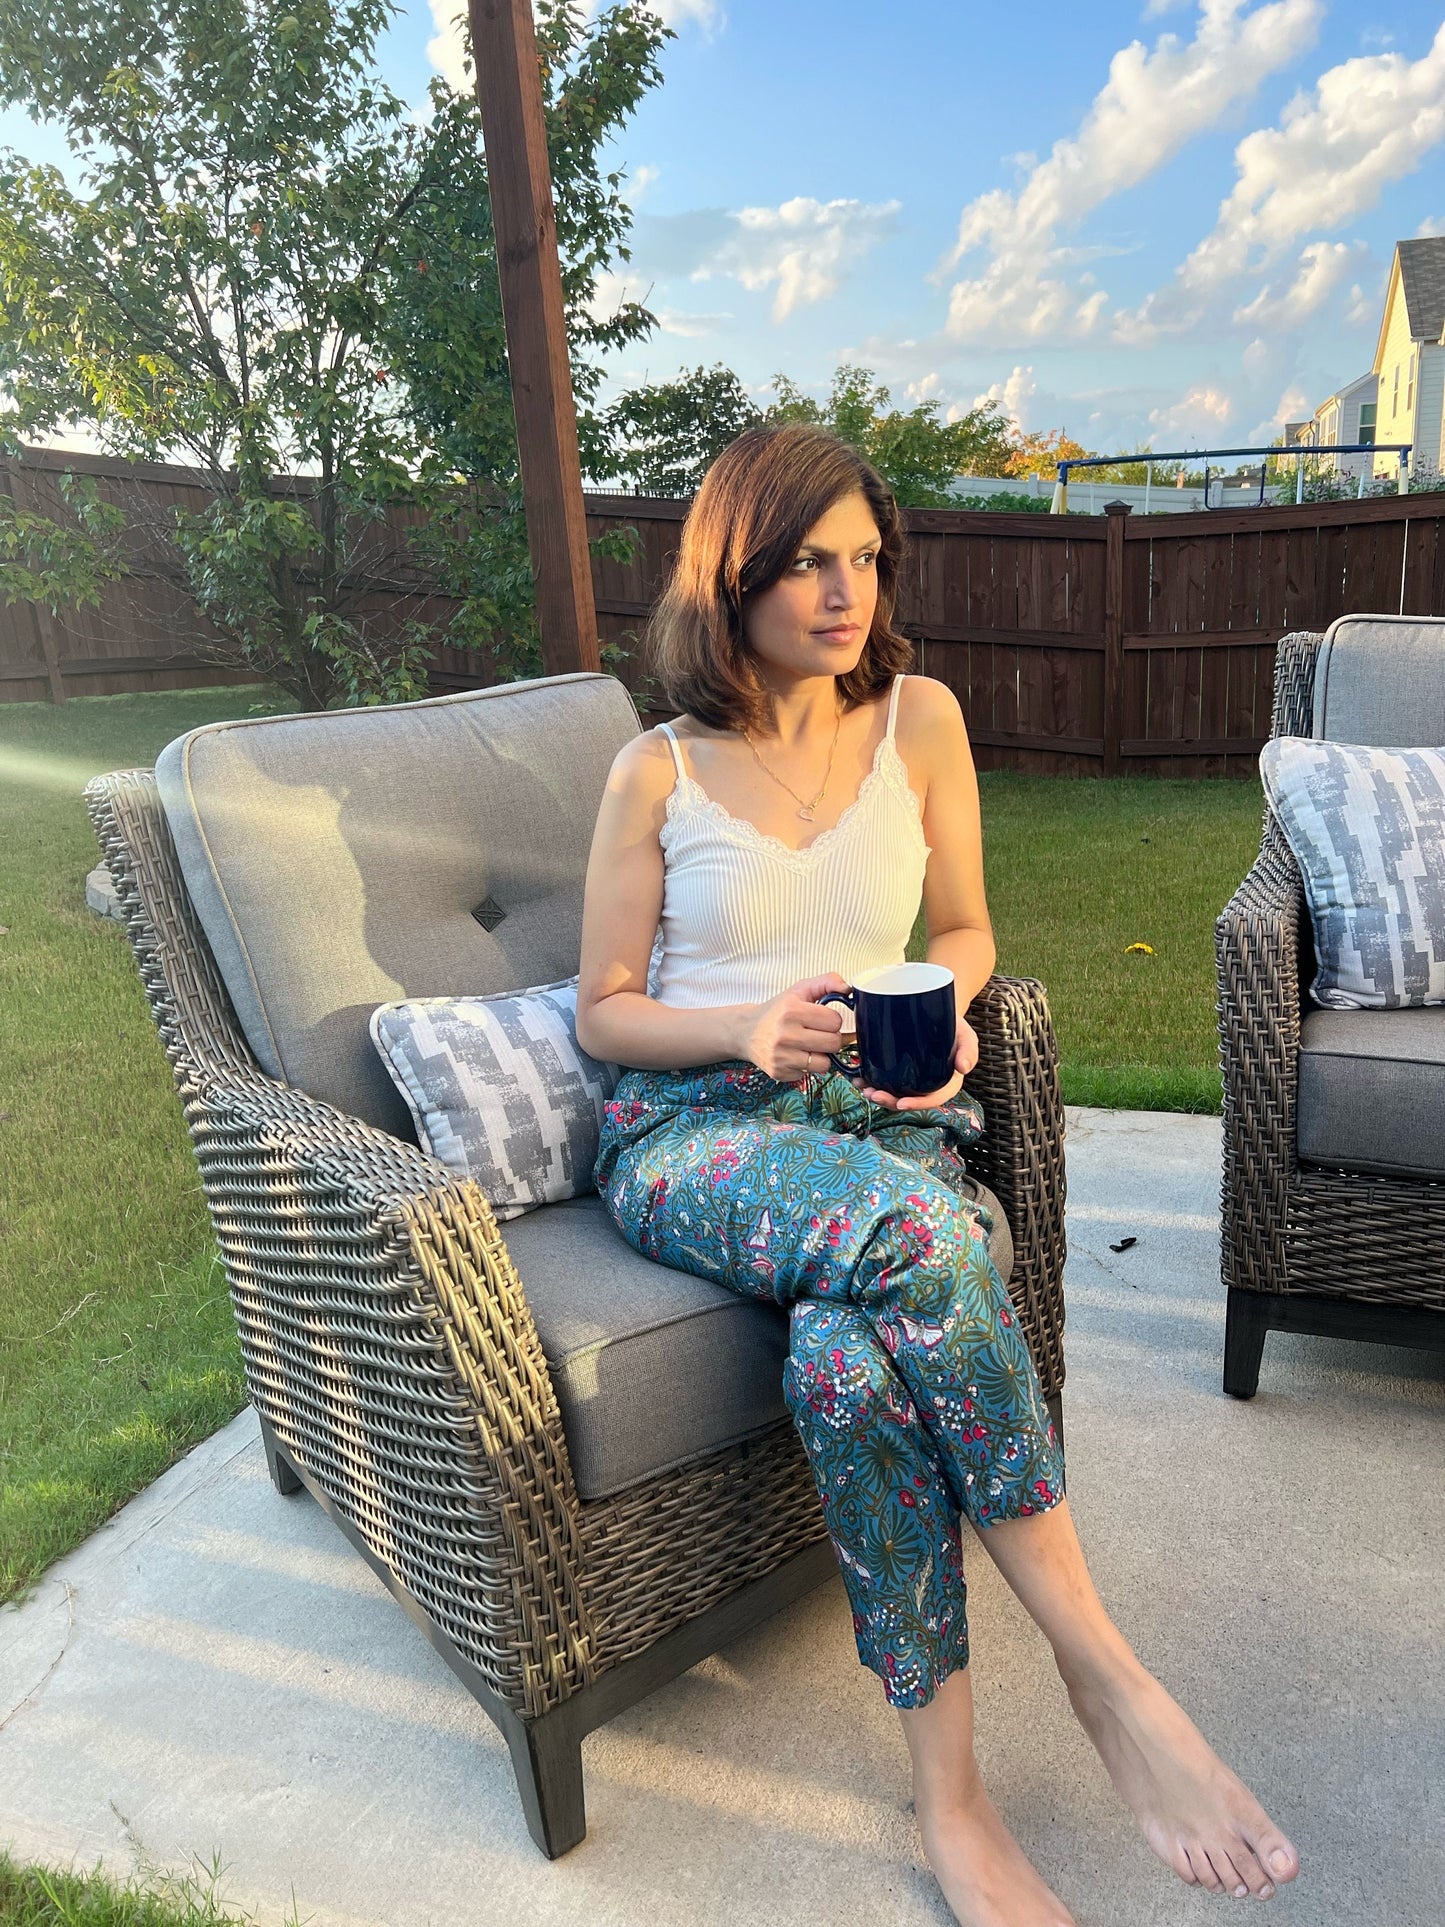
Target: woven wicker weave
{"points": [[397, 1373], [1303, 1248]]}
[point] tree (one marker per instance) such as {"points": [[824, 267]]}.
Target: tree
{"points": [[666, 434], [918, 454], [1040, 452], [270, 268], [663, 438]]}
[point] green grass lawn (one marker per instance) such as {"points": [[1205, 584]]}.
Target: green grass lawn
{"points": [[117, 1350], [45, 1897], [1079, 870]]}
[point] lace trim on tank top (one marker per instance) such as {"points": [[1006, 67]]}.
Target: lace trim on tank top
{"points": [[887, 768]]}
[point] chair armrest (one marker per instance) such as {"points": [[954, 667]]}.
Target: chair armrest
{"points": [[389, 1346], [1295, 661], [1257, 940], [1020, 1156]]}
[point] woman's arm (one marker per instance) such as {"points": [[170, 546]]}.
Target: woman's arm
{"points": [[616, 1019], [955, 911]]}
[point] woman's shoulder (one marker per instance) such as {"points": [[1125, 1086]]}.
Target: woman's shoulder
{"points": [[645, 769], [927, 707]]}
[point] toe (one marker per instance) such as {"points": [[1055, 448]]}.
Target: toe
{"points": [[1229, 1863], [1178, 1858], [1252, 1870], [1204, 1871], [1277, 1856]]}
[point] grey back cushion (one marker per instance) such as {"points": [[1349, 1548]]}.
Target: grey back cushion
{"points": [[1381, 680], [335, 862]]}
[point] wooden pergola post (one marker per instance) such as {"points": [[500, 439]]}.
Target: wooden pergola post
{"points": [[509, 93]]}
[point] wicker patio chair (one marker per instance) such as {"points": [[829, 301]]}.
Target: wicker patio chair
{"points": [[1333, 1194], [411, 1367]]}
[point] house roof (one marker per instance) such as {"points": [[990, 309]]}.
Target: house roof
{"points": [[1419, 267], [1422, 270], [1341, 394]]}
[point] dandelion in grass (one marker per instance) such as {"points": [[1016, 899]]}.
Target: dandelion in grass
{"points": [[1138, 950]]}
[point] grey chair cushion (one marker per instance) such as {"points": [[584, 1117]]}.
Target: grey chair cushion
{"points": [[652, 1367], [335, 862], [1372, 1090], [1381, 680]]}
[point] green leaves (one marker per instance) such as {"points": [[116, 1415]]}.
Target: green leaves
{"points": [[42, 560], [661, 439], [264, 265]]}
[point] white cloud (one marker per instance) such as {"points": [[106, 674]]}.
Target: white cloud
{"points": [[640, 179], [928, 387], [1431, 225], [803, 247], [691, 326], [1013, 395], [1367, 122], [610, 290], [446, 50], [1318, 272], [1152, 104], [1294, 405], [1201, 410], [706, 14]]}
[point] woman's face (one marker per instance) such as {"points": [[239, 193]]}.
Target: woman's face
{"points": [[816, 619]]}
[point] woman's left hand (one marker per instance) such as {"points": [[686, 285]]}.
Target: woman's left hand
{"points": [[965, 1056]]}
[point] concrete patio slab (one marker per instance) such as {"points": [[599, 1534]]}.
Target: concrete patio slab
{"points": [[216, 1673]]}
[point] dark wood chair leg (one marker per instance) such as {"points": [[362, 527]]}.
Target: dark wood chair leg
{"points": [[1246, 1320], [283, 1473], [547, 1759]]}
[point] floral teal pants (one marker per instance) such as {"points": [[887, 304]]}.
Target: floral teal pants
{"points": [[907, 1375]]}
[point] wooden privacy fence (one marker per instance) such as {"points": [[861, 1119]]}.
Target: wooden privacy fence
{"points": [[1113, 644], [1076, 644]]}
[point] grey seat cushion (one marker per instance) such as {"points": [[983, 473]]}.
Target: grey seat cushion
{"points": [[652, 1367], [335, 862], [1381, 680], [1372, 1090]]}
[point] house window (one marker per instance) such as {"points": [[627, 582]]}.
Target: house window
{"points": [[1367, 423], [1410, 387], [1395, 398]]}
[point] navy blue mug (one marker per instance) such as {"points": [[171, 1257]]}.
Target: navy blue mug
{"points": [[907, 1028]]}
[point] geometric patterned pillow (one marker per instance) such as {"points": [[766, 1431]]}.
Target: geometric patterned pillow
{"points": [[1367, 828], [500, 1089]]}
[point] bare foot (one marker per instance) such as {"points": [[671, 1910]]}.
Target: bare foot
{"points": [[985, 1875], [1201, 1819]]}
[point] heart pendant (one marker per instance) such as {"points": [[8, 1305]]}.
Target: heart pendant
{"points": [[806, 812]]}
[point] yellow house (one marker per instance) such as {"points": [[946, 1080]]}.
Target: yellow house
{"points": [[1410, 355]]}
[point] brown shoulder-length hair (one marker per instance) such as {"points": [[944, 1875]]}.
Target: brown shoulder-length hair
{"points": [[743, 532]]}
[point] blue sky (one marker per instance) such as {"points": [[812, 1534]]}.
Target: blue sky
{"points": [[1167, 221]]}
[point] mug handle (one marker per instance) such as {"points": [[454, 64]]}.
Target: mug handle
{"points": [[848, 998]]}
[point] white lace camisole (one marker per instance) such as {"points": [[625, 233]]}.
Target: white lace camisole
{"points": [[744, 917]]}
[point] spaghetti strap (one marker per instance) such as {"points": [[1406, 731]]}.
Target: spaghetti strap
{"points": [[892, 707], [666, 729]]}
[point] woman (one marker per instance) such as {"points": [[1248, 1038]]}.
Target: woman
{"points": [[781, 834]]}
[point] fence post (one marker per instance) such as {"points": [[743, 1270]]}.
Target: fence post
{"points": [[1113, 633]]}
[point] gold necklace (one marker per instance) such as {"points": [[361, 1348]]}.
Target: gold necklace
{"points": [[805, 808]]}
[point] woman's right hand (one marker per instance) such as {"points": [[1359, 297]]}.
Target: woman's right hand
{"points": [[790, 1036]]}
